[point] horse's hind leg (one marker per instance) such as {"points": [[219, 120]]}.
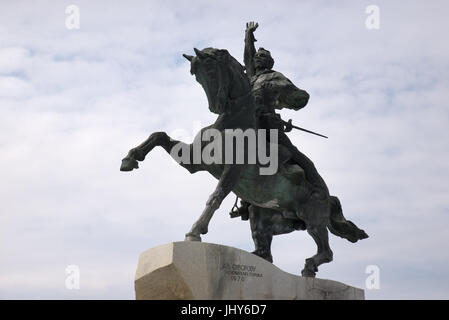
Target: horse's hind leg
{"points": [[261, 231], [266, 223], [319, 233]]}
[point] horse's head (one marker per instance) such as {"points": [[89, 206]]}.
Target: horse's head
{"points": [[221, 76]]}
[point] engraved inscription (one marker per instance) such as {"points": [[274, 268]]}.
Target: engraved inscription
{"points": [[240, 272]]}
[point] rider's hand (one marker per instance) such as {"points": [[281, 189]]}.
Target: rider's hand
{"points": [[251, 26], [288, 126]]}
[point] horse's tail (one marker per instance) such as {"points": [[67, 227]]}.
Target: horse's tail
{"points": [[341, 227]]}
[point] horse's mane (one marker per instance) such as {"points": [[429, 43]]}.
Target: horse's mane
{"points": [[236, 70]]}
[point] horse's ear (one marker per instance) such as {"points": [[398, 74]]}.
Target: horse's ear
{"points": [[198, 53], [188, 57]]}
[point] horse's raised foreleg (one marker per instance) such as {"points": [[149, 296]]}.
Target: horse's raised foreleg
{"points": [[158, 139], [227, 181], [320, 235]]}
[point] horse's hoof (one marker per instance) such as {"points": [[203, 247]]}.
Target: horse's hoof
{"points": [[310, 268], [308, 273], [204, 230], [129, 164], [192, 237]]}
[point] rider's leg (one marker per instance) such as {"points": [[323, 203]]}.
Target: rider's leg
{"points": [[304, 162]]}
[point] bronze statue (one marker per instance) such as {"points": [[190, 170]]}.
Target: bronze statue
{"points": [[293, 196]]}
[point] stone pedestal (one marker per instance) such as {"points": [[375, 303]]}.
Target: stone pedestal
{"points": [[198, 270]]}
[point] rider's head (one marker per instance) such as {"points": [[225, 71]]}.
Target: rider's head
{"points": [[263, 60]]}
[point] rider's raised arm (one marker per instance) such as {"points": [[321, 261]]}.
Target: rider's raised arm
{"points": [[250, 50]]}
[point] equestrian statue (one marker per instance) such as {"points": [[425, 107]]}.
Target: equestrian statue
{"points": [[293, 196]]}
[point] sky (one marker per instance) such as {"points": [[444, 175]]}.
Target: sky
{"points": [[74, 101]]}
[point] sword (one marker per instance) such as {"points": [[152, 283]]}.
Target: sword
{"points": [[289, 123]]}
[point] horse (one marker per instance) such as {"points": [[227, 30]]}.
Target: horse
{"points": [[279, 203]]}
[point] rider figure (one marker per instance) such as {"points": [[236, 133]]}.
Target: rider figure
{"points": [[272, 90]]}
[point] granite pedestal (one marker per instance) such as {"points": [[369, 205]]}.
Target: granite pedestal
{"points": [[198, 270]]}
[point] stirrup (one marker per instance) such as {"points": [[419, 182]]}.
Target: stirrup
{"points": [[237, 212]]}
